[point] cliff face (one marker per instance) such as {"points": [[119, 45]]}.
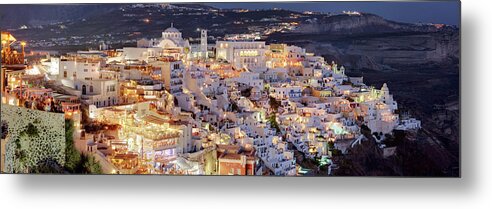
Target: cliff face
{"points": [[368, 41], [359, 24], [380, 52]]}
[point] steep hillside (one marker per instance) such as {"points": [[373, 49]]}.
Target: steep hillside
{"points": [[17, 15], [367, 41], [359, 23]]}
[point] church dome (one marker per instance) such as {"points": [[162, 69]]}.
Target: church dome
{"points": [[385, 87], [171, 30]]}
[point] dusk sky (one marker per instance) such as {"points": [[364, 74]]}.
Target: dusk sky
{"points": [[447, 12]]}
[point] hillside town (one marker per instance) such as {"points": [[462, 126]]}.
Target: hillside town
{"points": [[168, 105]]}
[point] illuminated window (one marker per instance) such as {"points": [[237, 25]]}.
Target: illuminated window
{"points": [[248, 53]]}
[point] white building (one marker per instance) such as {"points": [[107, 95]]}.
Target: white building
{"points": [[409, 124], [135, 55], [84, 75], [99, 92], [204, 44], [387, 98], [171, 43], [286, 92], [242, 54], [250, 79], [171, 73], [379, 117], [75, 68]]}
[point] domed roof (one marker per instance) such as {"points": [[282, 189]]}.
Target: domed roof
{"points": [[171, 30], [385, 87]]}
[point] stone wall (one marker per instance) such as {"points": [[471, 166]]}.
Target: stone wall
{"points": [[47, 143]]}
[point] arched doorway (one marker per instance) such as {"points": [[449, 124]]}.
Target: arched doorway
{"points": [[84, 89]]}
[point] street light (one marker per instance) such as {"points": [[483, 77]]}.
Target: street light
{"points": [[23, 44]]}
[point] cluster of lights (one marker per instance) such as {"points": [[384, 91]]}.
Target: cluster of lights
{"points": [[248, 53]]}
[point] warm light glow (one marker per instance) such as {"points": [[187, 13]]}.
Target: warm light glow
{"points": [[249, 53], [33, 71], [23, 43]]}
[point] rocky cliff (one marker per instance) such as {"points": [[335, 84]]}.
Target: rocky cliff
{"points": [[361, 23], [368, 41]]}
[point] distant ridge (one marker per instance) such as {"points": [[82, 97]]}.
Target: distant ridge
{"points": [[362, 23], [16, 15]]}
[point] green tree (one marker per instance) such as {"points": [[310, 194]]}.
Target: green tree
{"points": [[273, 121], [90, 165], [274, 104], [72, 156], [75, 162], [331, 145]]}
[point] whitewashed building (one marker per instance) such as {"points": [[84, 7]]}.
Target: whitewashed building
{"points": [[242, 54]]}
